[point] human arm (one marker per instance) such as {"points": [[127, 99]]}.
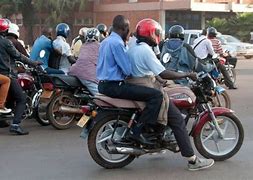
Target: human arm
{"points": [[172, 75]]}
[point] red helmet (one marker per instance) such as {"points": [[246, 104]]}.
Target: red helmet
{"points": [[4, 25], [149, 29]]}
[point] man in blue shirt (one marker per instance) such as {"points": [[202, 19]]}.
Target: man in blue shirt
{"points": [[112, 69], [41, 50]]}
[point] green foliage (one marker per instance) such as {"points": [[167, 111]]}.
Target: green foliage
{"points": [[239, 25]]}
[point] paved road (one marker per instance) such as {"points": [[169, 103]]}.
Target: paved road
{"points": [[49, 154]]}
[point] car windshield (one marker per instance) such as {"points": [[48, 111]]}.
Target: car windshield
{"points": [[228, 39]]}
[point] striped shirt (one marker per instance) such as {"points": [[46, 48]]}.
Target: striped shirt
{"points": [[216, 45]]}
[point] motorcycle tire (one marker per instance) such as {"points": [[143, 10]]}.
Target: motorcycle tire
{"points": [[102, 119], [232, 74], [219, 98], [40, 114], [56, 118], [208, 153]]}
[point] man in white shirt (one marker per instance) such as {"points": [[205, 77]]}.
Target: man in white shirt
{"points": [[203, 46]]}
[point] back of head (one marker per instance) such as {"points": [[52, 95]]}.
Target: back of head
{"points": [[149, 31], [204, 32], [102, 28], [4, 25], [176, 31], [62, 29], [211, 32], [120, 25], [47, 31], [14, 30], [92, 35]]}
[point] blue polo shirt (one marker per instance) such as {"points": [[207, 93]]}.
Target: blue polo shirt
{"points": [[42, 46], [113, 63]]}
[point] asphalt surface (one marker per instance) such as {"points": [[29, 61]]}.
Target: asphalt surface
{"points": [[49, 154]]}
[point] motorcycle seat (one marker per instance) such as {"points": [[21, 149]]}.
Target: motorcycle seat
{"points": [[64, 81], [106, 101]]}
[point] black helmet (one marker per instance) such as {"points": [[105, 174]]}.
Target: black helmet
{"points": [[211, 32], [102, 28], [62, 29], [176, 31], [92, 34]]}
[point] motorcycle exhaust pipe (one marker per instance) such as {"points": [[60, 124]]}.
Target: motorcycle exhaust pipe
{"points": [[126, 150], [70, 110]]}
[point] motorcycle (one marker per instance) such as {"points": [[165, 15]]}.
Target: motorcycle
{"points": [[217, 132], [30, 81], [63, 93]]}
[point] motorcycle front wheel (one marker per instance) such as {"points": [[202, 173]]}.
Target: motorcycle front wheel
{"points": [[210, 145], [100, 136], [221, 100]]}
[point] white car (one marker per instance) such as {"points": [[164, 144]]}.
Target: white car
{"points": [[242, 49], [191, 35]]}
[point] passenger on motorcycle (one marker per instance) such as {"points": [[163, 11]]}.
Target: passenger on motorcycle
{"points": [[178, 56], [211, 34], [13, 35], [102, 28], [42, 49], [60, 44], [112, 70], [4, 89], [85, 66], [8, 56], [78, 41], [145, 64]]}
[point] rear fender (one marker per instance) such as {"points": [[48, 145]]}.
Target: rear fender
{"points": [[204, 117]]}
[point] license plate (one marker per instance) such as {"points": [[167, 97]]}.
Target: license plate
{"points": [[46, 94], [83, 120]]}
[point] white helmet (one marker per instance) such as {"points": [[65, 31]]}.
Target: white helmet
{"points": [[83, 31], [14, 29]]}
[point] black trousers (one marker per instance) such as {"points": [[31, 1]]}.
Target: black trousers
{"points": [[178, 126], [227, 78], [19, 97], [122, 90]]}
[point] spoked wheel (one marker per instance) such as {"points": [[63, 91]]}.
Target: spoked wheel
{"points": [[58, 119], [232, 74], [100, 137], [221, 100], [210, 145]]}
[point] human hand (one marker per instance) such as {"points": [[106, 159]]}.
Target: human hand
{"points": [[193, 76]]}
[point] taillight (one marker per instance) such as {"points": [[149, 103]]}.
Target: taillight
{"points": [[85, 109], [48, 86]]}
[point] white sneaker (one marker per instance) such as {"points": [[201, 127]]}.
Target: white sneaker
{"points": [[5, 110], [200, 163]]}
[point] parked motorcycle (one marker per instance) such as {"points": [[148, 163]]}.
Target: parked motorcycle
{"points": [[63, 93], [216, 131]]}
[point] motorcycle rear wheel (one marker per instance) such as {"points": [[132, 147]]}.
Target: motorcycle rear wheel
{"points": [[222, 100], [104, 127], [208, 135], [57, 119]]}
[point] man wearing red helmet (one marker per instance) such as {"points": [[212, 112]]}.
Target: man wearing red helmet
{"points": [[145, 64], [8, 55]]}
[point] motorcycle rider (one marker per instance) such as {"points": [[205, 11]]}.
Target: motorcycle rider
{"points": [[102, 28], [211, 34], [42, 49], [113, 67], [4, 89], [85, 66], [60, 44], [13, 35], [8, 56], [78, 41], [178, 56], [144, 63]]}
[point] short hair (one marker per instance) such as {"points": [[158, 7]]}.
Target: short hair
{"points": [[204, 32], [120, 22], [47, 31]]}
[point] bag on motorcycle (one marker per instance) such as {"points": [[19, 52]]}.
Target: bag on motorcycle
{"points": [[54, 59]]}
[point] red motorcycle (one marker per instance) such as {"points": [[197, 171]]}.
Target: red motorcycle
{"points": [[217, 132], [30, 81]]}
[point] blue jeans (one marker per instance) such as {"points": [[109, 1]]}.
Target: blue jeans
{"points": [[53, 71], [92, 87]]}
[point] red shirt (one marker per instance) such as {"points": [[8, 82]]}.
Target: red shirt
{"points": [[216, 45]]}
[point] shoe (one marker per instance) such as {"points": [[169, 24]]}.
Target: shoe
{"points": [[4, 124], [200, 163], [139, 138], [233, 87], [5, 110], [16, 129]]}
